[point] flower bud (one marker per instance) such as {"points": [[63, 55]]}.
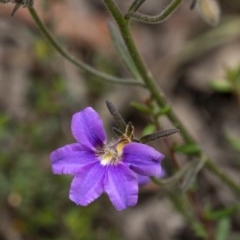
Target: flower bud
{"points": [[209, 10]]}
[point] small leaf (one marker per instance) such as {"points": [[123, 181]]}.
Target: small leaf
{"points": [[141, 108], [164, 110], [221, 85], [150, 128], [187, 148]]}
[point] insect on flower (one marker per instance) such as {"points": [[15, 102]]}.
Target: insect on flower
{"points": [[98, 166]]}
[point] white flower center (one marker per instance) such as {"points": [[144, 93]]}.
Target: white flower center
{"points": [[112, 153]]}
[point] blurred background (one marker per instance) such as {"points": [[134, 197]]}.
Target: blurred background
{"points": [[196, 65]]}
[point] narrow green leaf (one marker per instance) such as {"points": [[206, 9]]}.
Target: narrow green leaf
{"points": [[187, 149], [221, 213], [160, 134], [223, 228], [141, 108], [122, 50], [221, 85]]}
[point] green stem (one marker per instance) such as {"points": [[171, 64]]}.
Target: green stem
{"points": [[146, 75], [136, 5], [157, 18], [81, 65], [157, 95]]}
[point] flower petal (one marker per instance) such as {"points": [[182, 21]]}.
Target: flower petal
{"points": [[88, 185], [143, 159], [70, 159], [121, 186], [87, 128], [143, 180]]}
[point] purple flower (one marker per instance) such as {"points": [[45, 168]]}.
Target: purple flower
{"points": [[97, 166]]}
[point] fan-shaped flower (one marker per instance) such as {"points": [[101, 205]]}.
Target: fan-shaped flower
{"points": [[98, 166]]}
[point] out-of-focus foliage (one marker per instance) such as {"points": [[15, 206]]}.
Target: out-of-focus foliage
{"points": [[230, 82], [34, 202]]}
